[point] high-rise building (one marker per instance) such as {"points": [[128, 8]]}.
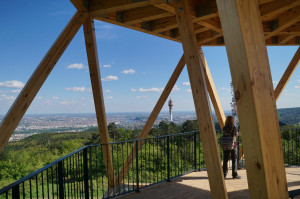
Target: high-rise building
{"points": [[171, 109]]}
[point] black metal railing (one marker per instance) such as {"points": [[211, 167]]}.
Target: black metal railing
{"points": [[82, 174]]}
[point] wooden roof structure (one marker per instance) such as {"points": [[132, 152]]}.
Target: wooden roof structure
{"points": [[245, 27], [280, 19]]}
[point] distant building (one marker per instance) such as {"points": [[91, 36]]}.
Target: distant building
{"points": [[171, 109]]}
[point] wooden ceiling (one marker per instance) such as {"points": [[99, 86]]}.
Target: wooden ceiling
{"points": [[280, 19]]}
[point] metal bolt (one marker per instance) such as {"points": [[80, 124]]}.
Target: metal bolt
{"points": [[77, 21], [180, 9]]}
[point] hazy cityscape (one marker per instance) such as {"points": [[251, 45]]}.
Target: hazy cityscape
{"points": [[33, 124]]}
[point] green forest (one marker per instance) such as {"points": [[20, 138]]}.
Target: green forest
{"points": [[23, 157]]}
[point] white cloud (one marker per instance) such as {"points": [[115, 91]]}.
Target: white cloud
{"points": [[106, 65], [107, 91], [297, 87], [5, 97], [275, 82], [129, 71], [109, 97], [140, 97], [39, 97], [78, 89], [110, 78], [133, 90], [189, 90], [12, 84], [158, 90], [76, 66], [298, 81], [68, 102], [226, 89], [16, 91], [55, 98], [186, 83], [175, 88]]}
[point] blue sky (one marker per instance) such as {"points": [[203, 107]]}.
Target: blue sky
{"points": [[134, 66]]}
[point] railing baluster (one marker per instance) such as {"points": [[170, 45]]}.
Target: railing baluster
{"points": [[16, 192], [137, 166], [85, 174], [60, 180], [168, 158]]}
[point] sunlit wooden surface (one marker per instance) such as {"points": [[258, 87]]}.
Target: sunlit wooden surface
{"points": [[195, 185]]}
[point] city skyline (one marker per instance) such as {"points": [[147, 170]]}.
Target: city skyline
{"points": [[134, 66]]}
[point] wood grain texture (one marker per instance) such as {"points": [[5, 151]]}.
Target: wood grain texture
{"points": [[287, 74], [254, 93], [23, 101], [106, 6], [92, 56], [80, 4], [201, 101], [212, 91]]}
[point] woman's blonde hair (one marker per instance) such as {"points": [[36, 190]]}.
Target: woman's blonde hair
{"points": [[229, 121]]}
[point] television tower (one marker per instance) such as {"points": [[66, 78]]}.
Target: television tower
{"points": [[171, 109]]}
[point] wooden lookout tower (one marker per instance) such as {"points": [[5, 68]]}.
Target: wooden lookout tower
{"points": [[245, 27]]}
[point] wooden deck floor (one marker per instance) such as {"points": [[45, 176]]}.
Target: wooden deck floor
{"points": [[195, 185]]}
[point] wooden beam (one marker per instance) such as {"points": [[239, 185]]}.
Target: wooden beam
{"points": [[204, 20], [254, 94], [286, 20], [142, 14], [201, 101], [142, 27], [272, 9], [285, 38], [212, 91], [92, 56], [207, 36], [23, 101], [211, 24], [80, 5], [106, 6], [287, 74], [156, 110]]}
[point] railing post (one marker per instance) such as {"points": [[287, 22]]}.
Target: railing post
{"points": [[91, 172], [168, 158], [85, 174], [60, 180], [195, 151], [16, 192], [137, 165]]}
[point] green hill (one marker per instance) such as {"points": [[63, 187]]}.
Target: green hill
{"points": [[290, 116]]}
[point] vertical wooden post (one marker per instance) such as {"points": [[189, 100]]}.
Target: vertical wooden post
{"points": [[254, 94], [212, 91], [200, 95], [92, 55], [287, 74], [23, 101]]}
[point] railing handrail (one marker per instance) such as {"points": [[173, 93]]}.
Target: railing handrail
{"points": [[162, 136], [8, 187]]}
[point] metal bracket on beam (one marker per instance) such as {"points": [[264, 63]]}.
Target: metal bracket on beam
{"points": [[146, 25], [119, 17], [274, 25]]}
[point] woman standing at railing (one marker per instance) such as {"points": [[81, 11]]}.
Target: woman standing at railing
{"points": [[229, 146]]}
